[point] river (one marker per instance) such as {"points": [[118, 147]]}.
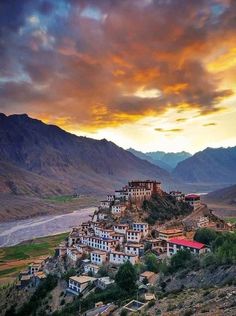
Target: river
{"points": [[14, 232]]}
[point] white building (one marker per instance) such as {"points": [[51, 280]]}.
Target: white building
{"points": [[176, 244], [99, 243], [73, 253], [121, 195], [194, 200], [103, 232], [141, 227], [103, 283], [121, 228], [118, 209], [98, 257], [101, 216], [105, 204], [119, 237], [134, 249], [178, 195], [77, 284], [91, 268], [111, 197], [116, 257], [133, 236], [82, 248]]}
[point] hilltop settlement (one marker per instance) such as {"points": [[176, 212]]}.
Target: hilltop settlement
{"points": [[139, 228]]}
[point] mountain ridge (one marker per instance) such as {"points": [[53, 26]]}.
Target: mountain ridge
{"points": [[165, 160], [79, 162], [211, 165]]}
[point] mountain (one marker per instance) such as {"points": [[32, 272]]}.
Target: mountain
{"points": [[167, 161], [171, 159], [42, 159], [144, 156], [209, 166], [223, 196]]}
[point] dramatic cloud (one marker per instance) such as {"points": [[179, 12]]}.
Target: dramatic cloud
{"points": [[93, 64]]}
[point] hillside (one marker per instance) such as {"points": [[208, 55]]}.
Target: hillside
{"points": [[224, 196], [210, 166], [164, 207], [60, 162]]}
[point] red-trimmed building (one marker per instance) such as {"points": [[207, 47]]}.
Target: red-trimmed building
{"points": [[193, 199], [176, 244]]}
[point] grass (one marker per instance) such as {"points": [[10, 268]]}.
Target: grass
{"points": [[7, 272], [62, 198], [31, 249], [34, 248], [231, 220]]}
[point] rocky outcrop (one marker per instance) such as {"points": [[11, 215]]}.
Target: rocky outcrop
{"points": [[204, 278]]}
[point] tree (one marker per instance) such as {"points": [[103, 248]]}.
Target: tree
{"points": [[205, 235], [126, 277], [103, 271], [180, 260], [208, 260], [151, 262]]}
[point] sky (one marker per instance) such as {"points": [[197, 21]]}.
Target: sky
{"points": [[147, 74]]}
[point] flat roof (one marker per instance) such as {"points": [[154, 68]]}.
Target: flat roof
{"points": [[134, 245], [123, 225], [82, 278], [147, 274], [99, 252], [25, 277], [122, 253], [140, 223], [170, 231]]}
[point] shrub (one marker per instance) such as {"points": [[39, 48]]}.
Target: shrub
{"points": [[151, 262], [151, 303], [188, 312], [205, 236], [62, 302], [124, 312]]}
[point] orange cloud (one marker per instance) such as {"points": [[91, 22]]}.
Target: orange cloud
{"points": [[86, 70]]}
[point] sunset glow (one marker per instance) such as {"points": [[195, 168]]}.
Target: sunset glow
{"points": [[152, 75]]}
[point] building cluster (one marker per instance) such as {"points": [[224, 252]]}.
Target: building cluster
{"points": [[34, 274], [99, 242]]}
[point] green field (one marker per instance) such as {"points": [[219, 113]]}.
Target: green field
{"points": [[12, 259], [231, 220], [34, 248], [62, 198]]}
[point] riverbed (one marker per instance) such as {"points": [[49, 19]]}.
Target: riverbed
{"points": [[14, 232]]}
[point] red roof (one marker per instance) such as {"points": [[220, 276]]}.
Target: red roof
{"points": [[186, 243], [192, 196]]}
